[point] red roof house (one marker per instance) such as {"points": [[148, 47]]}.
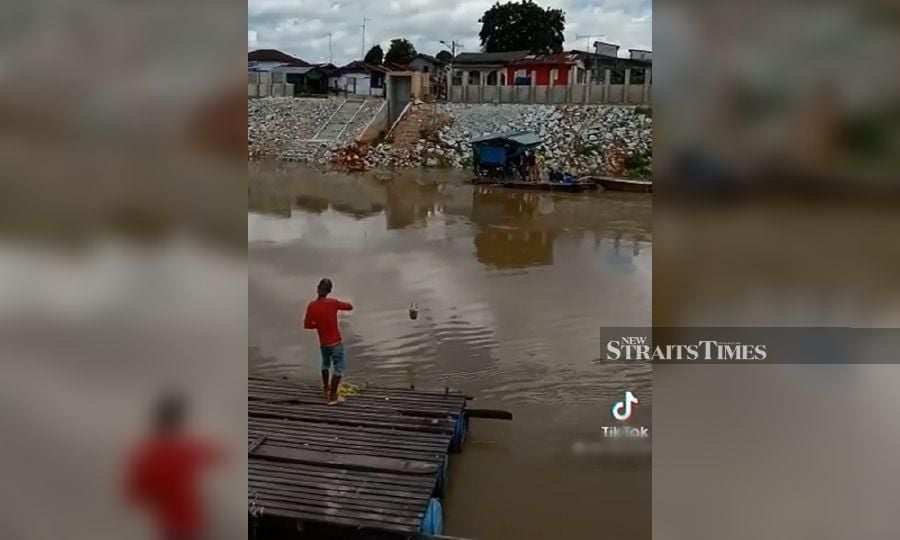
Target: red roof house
{"points": [[542, 68]]}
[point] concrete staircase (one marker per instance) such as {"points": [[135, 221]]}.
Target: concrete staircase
{"points": [[409, 129], [337, 123]]}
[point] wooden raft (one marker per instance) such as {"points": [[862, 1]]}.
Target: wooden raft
{"points": [[373, 463]]}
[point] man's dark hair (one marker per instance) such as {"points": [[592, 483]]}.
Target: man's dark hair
{"points": [[170, 412], [324, 287]]}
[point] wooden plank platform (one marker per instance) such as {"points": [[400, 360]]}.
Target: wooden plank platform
{"points": [[573, 187], [610, 183], [375, 463]]}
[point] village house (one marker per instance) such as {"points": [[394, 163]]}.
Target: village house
{"points": [[359, 78], [262, 60], [436, 70], [546, 69], [424, 63], [308, 80], [395, 66], [475, 69], [597, 64]]}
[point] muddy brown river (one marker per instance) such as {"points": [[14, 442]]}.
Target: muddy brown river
{"points": [[511, 288]]}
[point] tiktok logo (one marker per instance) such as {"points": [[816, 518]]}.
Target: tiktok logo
{"points": [[621, 410]]}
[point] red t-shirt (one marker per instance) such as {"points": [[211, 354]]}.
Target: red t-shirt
{"points": [[163, 476], [321, 315]]}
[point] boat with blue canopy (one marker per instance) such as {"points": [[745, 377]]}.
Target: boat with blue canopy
{"points": [[499, 160]]}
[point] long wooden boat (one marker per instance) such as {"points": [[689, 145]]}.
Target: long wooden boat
{"points": [[620, 184], [574, 187]]}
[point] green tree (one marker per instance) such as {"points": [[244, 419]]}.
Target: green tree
{"points": [[444, 56], [401, 51], [375, 55], [522, 26]]}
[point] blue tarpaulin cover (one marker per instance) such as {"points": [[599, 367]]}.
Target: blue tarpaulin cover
{"points": [[492, 155]]}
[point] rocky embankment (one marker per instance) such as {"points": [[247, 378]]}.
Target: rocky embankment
{"points": [[281, 127], [581, 139]]}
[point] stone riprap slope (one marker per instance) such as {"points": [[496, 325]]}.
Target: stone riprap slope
{"points": [[581, 139], [281, 127], [577, 138]]}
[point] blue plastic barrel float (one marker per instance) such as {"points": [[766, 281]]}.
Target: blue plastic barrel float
{"points": [[433, 521], [459, 431], [442, 477]]}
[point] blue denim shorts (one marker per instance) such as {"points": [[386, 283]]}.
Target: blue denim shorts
{"points": [[333, 357]]}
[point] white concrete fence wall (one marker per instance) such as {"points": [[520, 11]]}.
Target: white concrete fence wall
{"points": [[268, 83], [586, 93]]}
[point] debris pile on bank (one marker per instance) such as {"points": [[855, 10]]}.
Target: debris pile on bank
{"points": [[353, 156]]}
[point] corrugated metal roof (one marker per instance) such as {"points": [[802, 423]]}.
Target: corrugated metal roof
{"points": [[525, 138], [274, 55], [294, 69], [481, 58], [556, 58]]}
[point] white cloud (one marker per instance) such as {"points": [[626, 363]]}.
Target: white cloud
{"points": [[300, 28]]}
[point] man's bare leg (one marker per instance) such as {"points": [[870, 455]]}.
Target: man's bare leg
{"points": [[335, 384], [325, 384]]}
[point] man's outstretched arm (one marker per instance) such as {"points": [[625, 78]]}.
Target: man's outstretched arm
{"points": [[345, 306]]}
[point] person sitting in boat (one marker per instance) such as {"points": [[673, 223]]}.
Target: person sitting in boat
{"points": [[555, 175], [514, 164], [476, 163], [539, 167], [530, 165]]}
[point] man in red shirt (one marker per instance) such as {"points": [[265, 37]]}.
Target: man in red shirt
{"points": [[164, 473], [321, 316]]}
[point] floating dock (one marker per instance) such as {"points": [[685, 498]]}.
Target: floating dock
{"points": [[571, 187], [372, 467]]}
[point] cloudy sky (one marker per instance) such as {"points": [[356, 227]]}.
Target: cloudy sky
{"points": [[301, 27]]}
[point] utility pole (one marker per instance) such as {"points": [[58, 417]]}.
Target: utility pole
{"points": [[363, 48], [453, 43], [452, 46], [596, 63], [330, 54]]}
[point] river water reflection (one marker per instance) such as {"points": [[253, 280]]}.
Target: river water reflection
{"points": [[511, 288]]}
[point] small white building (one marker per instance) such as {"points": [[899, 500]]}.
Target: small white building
{"points": [[640, 54], [360, 79], [606, 49]]}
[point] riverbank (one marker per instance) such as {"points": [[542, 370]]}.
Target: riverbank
{"points": [[582, 139]]}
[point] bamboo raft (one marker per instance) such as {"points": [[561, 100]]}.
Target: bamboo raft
{"points": [[374, 466]]}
